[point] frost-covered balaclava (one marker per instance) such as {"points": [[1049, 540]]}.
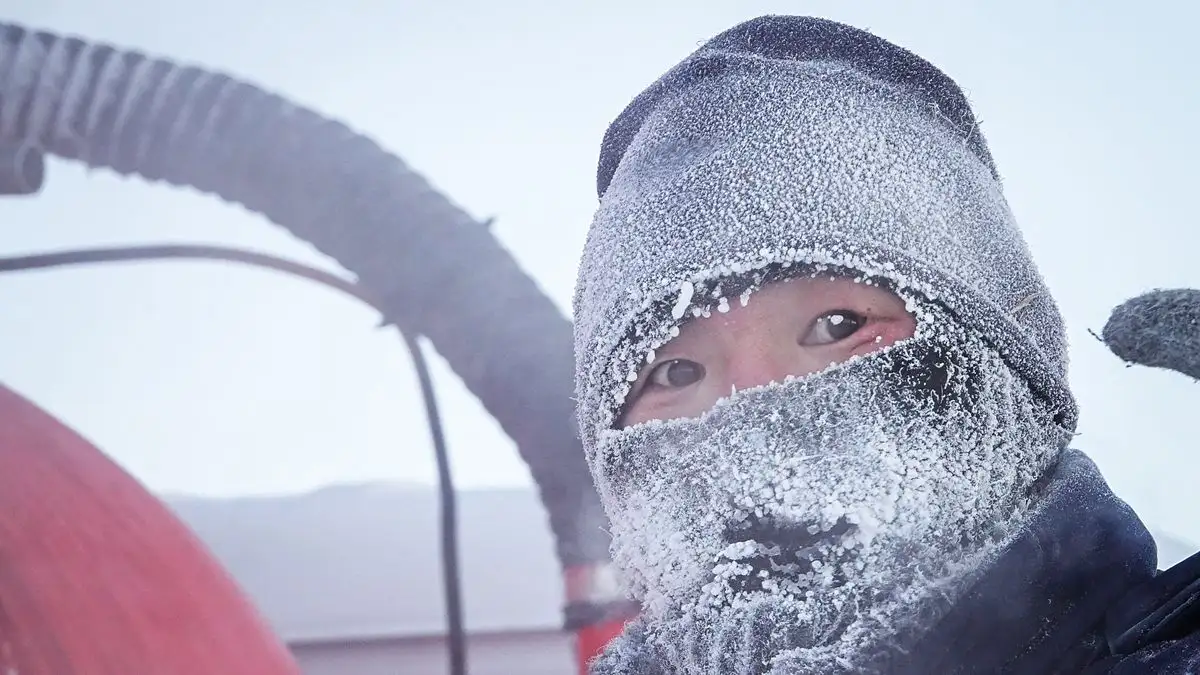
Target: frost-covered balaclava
{"points": [[815, 525]]}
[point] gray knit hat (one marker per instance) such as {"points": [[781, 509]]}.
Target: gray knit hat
{"points": [[794, 140]]}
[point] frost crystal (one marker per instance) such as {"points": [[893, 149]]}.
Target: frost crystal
{"points": [[686, 289]]}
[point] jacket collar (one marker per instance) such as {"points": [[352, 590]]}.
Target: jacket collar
{"points": [[1041, 606]]}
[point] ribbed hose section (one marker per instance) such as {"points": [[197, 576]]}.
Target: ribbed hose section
{"points": [[439, 272]]}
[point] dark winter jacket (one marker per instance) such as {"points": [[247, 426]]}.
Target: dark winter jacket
{"points": [[1076, 593]]}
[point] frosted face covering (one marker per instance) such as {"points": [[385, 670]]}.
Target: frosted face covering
{"points": [[807, 523]]}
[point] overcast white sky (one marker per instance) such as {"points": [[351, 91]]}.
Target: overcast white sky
{"points": [[212, 379]]}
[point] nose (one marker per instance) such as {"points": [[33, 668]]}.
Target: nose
{"points": [[754, 367], [759, 352]]}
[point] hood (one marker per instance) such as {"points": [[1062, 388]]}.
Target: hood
{"points": [[792, 140]]}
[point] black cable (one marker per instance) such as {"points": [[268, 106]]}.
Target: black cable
{"points": [[183, 251], [456, 637], [454, 619]]}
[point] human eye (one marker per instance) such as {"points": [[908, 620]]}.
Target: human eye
{"points": [[675, 374], [833, 327]]}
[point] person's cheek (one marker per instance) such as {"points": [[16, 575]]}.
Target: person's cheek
{"points": [[661, 404]]}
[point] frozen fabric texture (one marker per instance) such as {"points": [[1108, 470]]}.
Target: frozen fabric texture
{"points": [[1038, 608], [796, 139], [815, 525], [1159, 329]]}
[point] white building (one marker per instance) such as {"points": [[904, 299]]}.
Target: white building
{"points": [[351, 577]]}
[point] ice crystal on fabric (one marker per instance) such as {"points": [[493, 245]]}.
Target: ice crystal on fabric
{"points": [[780, 162], [796, 527]]}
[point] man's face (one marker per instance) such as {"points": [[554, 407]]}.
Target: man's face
{"points": [[789, 328], [793, 522]]}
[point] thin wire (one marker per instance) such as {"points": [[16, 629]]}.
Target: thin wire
{"points": [[454, 619], [456, 637], [184, 251]]}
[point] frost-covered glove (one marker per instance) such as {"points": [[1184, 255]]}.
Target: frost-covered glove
{"points": [[1159, 329]]}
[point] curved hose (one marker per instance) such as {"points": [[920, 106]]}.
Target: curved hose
{"points": [[22, 169], [436, 271]]}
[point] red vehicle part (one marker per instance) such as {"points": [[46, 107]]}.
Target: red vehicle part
{"points": [[596, 609], [594, 638], [98, 577]]}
